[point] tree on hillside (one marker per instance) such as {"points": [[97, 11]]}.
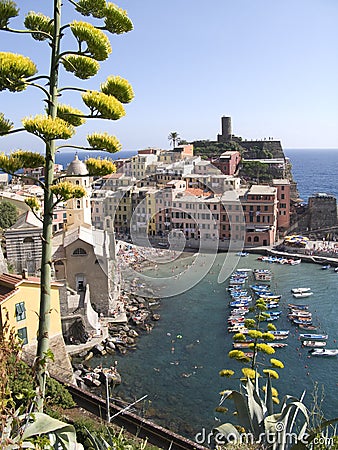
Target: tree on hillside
{"points": [[8, 214], [174, 138], [58, 121]]}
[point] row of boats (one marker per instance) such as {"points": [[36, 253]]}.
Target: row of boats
{"points": [[242, 297], [301, 316], [280, 260], [241, 300]]}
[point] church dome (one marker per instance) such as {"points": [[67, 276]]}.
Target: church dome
{"points": [[77, 167]]}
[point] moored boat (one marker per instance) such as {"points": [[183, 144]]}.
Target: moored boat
{"points": [[313, 337], [293, 305], [314, 343], [323, 352], [302, 294], [300, 290]]}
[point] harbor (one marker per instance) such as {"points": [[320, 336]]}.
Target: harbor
{"points": [[178, 363]]}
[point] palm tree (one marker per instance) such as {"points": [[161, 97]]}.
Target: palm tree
{"points": [[173, 138]]}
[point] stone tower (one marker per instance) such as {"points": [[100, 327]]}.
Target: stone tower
{"points": [[226, 130], [78, 209]]}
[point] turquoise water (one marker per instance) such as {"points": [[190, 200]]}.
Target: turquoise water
{"points": [[180, 375]]}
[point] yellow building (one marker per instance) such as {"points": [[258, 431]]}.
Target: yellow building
{"points": [[19, 304]]}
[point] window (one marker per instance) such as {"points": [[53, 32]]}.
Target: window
{"points": [[79, 251], [78, 204], [22, 333], [20, 311]]}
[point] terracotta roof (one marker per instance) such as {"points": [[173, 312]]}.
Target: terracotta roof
{"points": [[113, 175], [197, 192], [6, 292], [10, 279], [9, 283]]}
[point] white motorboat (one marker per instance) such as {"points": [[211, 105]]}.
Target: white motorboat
{"points": [[300, 290], [315, 344], [323, 352], [302, 294], [313, 337]]}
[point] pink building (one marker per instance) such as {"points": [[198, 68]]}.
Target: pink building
{"points": [[227, 162], [284, 203]]}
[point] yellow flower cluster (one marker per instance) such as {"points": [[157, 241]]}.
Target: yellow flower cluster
{"points": [[102, 105], [276, 363], [98, 45], [255, 334], [103, 141], [82, 67], [266, 348], [48, 128], [239, 337], [96, 8], [39, 22], [250, 373], [271, 373], [14, 70], [226, 373], [70, 115], [119, 87], [66, 190], [100, 167], [268, 336], [116, 20]]}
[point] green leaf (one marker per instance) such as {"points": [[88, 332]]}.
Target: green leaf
{"points": [[268, 397], [256, 408], [225, 430], [44, 424]]}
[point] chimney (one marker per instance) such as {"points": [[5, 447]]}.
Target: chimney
{"points": [[24, 274]]}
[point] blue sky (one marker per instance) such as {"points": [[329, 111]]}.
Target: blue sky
{"points": [[270, 65]]}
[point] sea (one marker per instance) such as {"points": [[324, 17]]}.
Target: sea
{"points": [[177, 365]]}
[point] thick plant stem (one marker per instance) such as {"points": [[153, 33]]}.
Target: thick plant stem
{"points": [[46, 261]]}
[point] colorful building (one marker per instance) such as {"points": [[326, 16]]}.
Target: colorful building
{"points": [[20, 304]]}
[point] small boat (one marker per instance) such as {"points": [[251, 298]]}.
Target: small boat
{"points": [[242, 254], [280, 332], [292, 305], [305, 326], [303, 294], [323, 352], [314, 337], [277, 345], [328, 266], [302, 321], [260, 288], [262, 275], [300, 290], [294, 262], [314, 343]]}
